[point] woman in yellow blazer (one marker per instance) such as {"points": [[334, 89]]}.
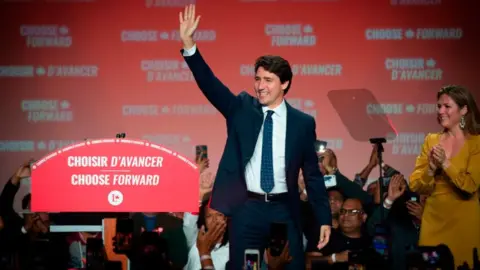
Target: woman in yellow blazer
{"points": [[448, 169]]}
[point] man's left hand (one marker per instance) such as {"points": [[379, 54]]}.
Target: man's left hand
{"points": [[325, 232]]}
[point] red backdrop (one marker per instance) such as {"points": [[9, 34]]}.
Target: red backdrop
{"points": [[78, 58]]}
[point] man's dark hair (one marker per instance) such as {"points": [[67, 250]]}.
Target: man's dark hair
{"points": [[278, 66]]}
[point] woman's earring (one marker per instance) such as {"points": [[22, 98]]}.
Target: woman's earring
{"points": [[462, 122]]}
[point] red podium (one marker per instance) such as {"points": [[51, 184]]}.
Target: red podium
{"points": [[114, 175]]}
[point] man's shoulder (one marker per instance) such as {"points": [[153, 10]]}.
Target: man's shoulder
{"points": [[301, 116], [244, 96]]}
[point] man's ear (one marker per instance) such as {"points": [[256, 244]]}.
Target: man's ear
{"points": [[364, 217], [285, 85]]}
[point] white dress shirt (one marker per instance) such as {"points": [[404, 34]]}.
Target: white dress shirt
{"points": [[253, 168]]}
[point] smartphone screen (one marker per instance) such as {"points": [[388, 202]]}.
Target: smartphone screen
{"points": [[431, 258], [414, 197], [201, 152], [320, 146], [252, 261], [330, 180], [278, 238], [123, 235]]}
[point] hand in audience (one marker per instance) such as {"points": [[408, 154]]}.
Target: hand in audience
{"points": [[325, 231], [415, 209], [22, 172], [277, 262], [302, 187], [396, 188], [329, 162], [34, 220], [202, 163], [206, 184], [374, 156], [342, 256], [207, 240]]}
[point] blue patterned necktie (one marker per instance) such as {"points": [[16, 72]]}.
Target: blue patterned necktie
{"points": [[266, 171]]}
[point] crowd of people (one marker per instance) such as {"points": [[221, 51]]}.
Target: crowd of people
{"points": [[362, 218]]}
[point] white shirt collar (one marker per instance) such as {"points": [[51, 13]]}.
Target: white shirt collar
{"points": [[279, 110]]}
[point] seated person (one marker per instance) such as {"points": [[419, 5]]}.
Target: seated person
{"points": [[349, 237]]}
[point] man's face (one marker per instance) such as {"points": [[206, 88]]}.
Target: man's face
{"points": [[336, 201], [351, 215], [268, 88]]}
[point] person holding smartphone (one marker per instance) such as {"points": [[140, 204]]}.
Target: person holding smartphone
{"points": [[268, 143]]}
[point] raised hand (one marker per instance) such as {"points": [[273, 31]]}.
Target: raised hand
{"points": [[374, 156], [188, 25], [202, 163], [396, 188], [329, 161], [206, 183], [22, 172]]}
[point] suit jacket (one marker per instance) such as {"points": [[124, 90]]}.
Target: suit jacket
{"points": [[244, 117]]}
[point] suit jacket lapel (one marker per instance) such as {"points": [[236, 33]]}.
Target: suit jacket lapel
{"points": [[257, 122], [254, 125], [291, 136]]}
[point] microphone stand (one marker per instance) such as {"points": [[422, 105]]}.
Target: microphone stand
{"points": [[379, 143]]}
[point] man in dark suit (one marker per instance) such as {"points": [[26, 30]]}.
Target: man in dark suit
{"points": [[268, 143]]}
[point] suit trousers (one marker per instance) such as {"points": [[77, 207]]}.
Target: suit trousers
{"points": [[249, 228]]}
